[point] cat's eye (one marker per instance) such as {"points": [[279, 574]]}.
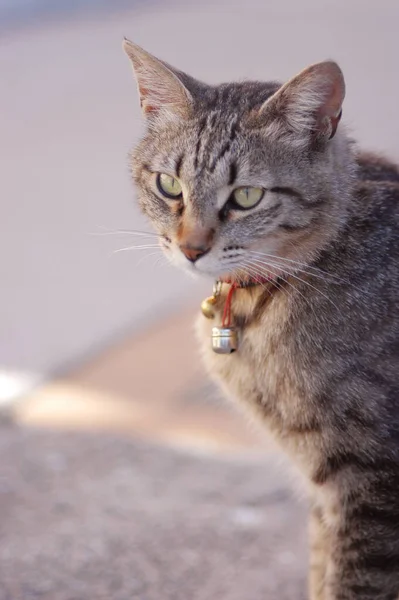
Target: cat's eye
{"points": [[169, 186], [247, 197]]}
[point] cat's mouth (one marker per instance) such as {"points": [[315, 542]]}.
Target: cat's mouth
{"points": [[207, 263]]}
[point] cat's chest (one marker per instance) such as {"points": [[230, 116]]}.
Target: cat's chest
{"points": [[265, 377], [251, 374], [262, 366]]}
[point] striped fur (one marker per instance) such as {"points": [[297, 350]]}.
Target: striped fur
{"points": [[318, 363]]}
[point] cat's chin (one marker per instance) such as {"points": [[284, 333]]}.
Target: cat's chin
{"points": [[218, 275], [195, 273]]}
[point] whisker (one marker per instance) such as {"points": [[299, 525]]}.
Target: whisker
{"points": [[288, 283], [143, 247], [135, 232], [259, 272], [161, 261], [302, 280], [142, 258], [252, 272], [329, 275], [262, 272], [297, 269], [300, 264], [287, 269]]}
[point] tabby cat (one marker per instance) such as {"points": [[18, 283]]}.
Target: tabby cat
{"points": [[258, 185]]}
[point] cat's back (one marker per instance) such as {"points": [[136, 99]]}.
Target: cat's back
{"points": [[376, 195], [364, 259], [372, 232], [375, 210], [374, 168], [356, 319]]}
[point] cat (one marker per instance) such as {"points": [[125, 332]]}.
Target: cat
{"points": [[259, 186]]}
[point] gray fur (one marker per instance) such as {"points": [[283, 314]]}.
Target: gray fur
{"points": [[318, 362]]}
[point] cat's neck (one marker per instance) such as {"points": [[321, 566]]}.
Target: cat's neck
{"points": [[335, 189]]}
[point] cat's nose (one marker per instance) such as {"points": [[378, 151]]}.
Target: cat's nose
{"points": [[194, 253], [194, 239]]}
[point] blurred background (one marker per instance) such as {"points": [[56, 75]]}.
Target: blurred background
{"points": [[122, 473]]}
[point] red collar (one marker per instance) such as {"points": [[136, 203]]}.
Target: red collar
{"points": [[250, 282]]}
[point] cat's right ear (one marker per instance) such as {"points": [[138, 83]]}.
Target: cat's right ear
{"points": [[305, 109], [163, 95]]}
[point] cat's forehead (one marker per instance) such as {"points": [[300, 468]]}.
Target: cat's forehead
{"points": [[217, 139], [215, 131], [205, 150]]}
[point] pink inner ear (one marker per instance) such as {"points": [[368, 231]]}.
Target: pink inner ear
{"points": [[145, 107], [330, 111], [332, 105]]}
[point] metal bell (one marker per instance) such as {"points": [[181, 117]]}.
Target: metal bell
{"points": [[207, 307], [224, 340]]}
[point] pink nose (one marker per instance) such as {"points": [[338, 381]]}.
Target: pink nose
{"points": [[193, 254]]}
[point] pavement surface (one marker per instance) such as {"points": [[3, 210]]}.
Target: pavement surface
{"points": [[121, 483], [99, 517]]}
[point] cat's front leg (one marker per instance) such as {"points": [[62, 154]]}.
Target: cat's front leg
{"points": [[364, 557], [319, 551]]}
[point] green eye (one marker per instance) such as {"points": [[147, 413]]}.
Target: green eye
{"points": [[247, 197], [169, 186]]}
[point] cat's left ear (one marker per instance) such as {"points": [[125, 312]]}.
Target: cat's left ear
{"points": [[163, 95], [306, 108]]}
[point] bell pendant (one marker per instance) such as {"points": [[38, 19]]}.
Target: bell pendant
{"points": [[224, 340], [207, 307]]}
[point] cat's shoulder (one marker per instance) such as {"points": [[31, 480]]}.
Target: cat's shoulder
{"points": [[376, 168], [377, 187]]}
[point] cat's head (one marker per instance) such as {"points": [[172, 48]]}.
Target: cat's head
{"points": [[235, 174]]}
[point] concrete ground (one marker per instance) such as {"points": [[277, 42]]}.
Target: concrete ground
{"points": [[99, 517], [146, 487]]}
